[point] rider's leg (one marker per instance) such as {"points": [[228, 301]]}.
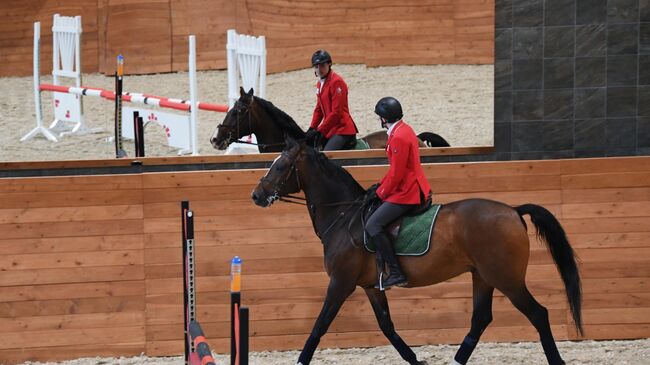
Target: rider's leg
{"points": [[338, 142], [384, 215]]}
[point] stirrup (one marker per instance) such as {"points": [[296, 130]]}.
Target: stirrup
{"points": [[380, 286]]}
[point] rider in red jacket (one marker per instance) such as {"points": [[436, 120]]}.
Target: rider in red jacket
{"points": [[400, 190], [331, 119]]}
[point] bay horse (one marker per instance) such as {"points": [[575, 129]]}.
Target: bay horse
{"points": [[487, 238], [252, 114]]}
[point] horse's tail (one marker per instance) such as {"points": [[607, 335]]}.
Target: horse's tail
{"points": [[552, 233], [433, 140]]}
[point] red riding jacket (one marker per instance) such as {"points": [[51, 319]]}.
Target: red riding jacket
{"points": [[332, 108], [405, 178]]}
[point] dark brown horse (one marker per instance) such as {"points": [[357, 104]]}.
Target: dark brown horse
{"points": [[487, 238], [252, 114]]}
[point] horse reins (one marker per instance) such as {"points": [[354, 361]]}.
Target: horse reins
{"points": [[341, 214], [300, 200]]}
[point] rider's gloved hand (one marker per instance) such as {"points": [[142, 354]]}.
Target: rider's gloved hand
{"points": [[311, 133], [371, 193], [313, 137]]}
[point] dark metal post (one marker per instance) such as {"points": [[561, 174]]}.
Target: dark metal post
{"points": [[243, 336], [189, 288]]}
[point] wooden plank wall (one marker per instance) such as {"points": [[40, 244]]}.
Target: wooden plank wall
{"points": [[72, 267], [92, 265], [152, 34], [17, 34]]}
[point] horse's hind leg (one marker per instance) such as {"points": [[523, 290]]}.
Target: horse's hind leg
{"points": [[380, 307], [538, 316], [481, 318]]}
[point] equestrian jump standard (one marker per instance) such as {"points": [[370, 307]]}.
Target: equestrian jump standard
{"points": [[246, 59], [197, 350]]}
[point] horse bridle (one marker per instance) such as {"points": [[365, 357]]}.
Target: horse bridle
{"points": [[302, 201], [276, 194], [239, 117]]}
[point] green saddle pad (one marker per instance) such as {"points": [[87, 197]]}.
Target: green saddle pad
{"points": [[361, 145], [414, 234]]}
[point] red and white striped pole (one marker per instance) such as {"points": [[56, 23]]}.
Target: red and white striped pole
{"points": [[163, 102]]}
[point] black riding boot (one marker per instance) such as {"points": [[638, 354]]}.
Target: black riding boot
{"points": [[385, 248]]}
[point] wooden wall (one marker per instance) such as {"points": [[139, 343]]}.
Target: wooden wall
{"points": [[152, 34], [72, 268], [92, 265]]}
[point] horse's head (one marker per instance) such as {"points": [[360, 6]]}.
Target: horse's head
{"points": [[237, 122], [282, 178]]}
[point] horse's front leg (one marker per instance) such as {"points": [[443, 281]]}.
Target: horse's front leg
{"points": [[380, 307], [337, 292]]}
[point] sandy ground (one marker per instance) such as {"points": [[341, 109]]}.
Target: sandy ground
{"points": [[574, 353], [452, 100]]}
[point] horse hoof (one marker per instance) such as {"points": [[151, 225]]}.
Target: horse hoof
{"points": [[421, 363]]}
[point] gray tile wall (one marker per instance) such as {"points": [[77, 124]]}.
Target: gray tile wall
{"points": [[572, 78]]}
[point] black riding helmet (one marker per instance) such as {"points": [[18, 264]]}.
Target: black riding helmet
{"points": [[319, 57], [390, 109]]}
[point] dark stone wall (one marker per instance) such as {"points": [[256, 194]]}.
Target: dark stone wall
{"points": [[572, 78]]}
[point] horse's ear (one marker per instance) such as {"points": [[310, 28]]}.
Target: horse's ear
{"points": [[250, 92], [241, 91]]}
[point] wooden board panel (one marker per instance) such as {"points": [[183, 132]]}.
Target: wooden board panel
{"points": [[372, 339], [46, 307], [73, 321], [102, 255], [622, 300], [423, 321], [615, 269], [617, 331], [190, 17], [70, 214], [158, 225], [605, 195], [89, 336], [606, 225], [235, 237], [210, 208], [139, 30], [68, 291], [606, 180], [71, 229], [71, 260], [605, 165], [16, 34], [68, 183], [259, 258], [70, 199], [610, 210], [462, 306], [60, 353], [616, 239], [360, 31], [76, 244], [73, 275]]}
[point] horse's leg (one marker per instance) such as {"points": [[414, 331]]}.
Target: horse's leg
{"points": [[538, 316], [337, 292], [481, 318], [380, 306]]}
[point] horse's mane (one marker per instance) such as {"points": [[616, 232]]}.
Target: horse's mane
{"points": [[338, 173], [281, 119]]}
